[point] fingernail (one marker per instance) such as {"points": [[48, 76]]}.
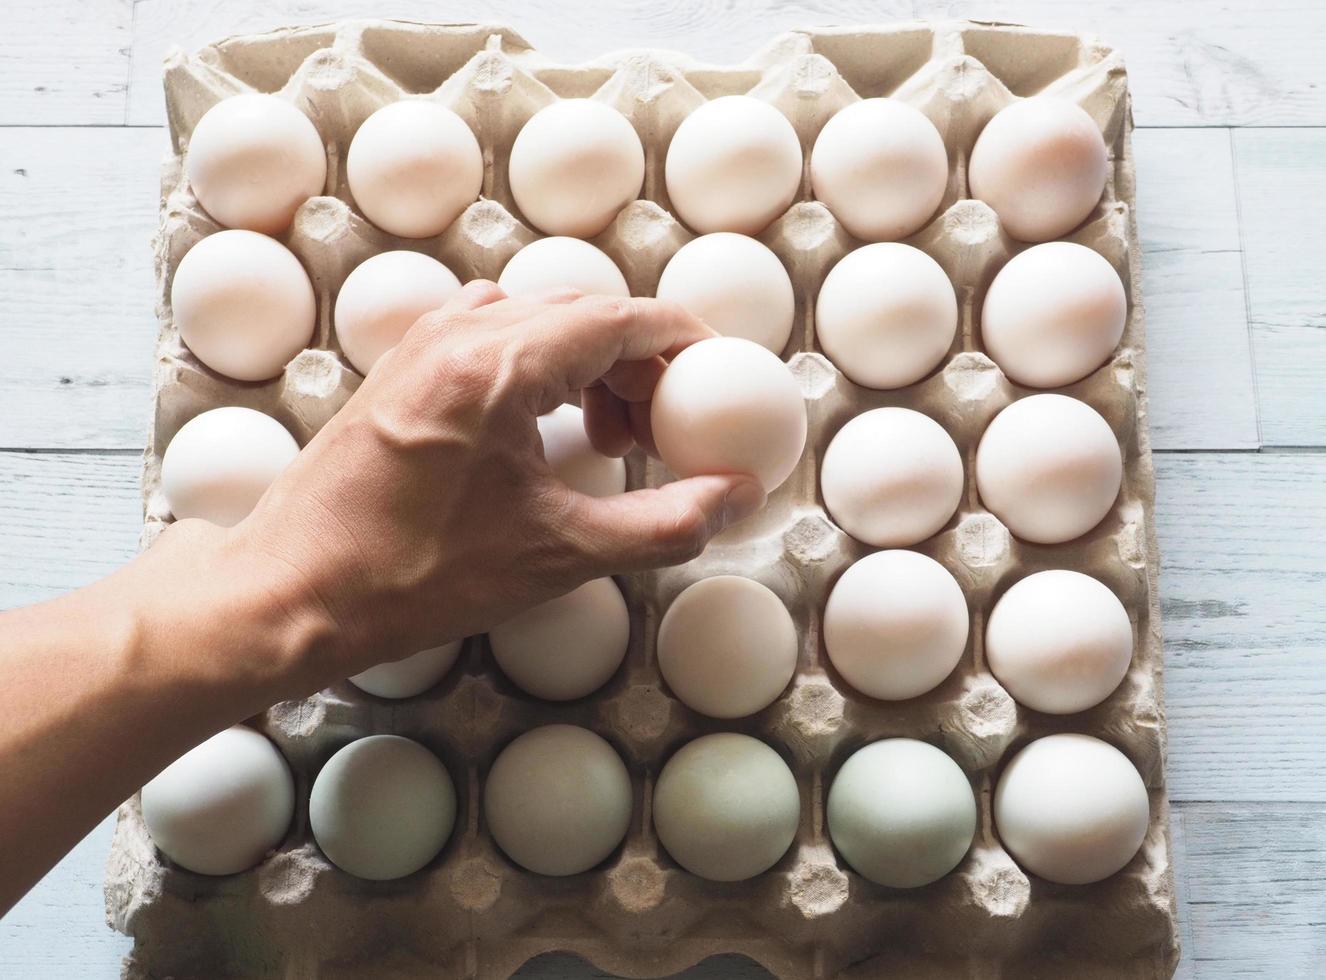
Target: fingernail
{"points": [[742, 501]]}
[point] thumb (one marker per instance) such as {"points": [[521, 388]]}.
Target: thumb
{"points": [[664, 526]]}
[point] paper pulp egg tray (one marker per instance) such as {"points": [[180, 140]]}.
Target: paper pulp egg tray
{"points": [[472, 912]]}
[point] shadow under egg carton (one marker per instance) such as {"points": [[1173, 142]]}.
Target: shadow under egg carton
{"points": [[472, 912]]}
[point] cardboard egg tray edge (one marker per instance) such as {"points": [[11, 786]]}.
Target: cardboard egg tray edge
{"points": [[472, 912]]}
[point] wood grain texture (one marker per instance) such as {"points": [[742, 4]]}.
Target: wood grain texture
{"points": [[77, 212], [1281, 174], [1252, 876], [65, 62], [93, 289], [1192, 287], [1242, 584], [1192, 62], [67, 520]]}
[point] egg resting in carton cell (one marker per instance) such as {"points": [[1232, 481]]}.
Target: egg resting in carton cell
{"points": [[472, 912]]}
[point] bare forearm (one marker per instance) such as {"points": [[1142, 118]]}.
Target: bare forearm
{"points": [[106, 686]]}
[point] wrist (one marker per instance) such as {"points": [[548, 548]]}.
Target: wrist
{"points": [[239, 621]]}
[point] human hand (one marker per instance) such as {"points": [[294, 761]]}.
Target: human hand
{"points": [[424, 511]]}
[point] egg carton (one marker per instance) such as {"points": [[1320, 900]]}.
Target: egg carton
{"points": [[472, 912]]}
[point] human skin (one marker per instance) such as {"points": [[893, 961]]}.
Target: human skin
{"points": [[421, 513]]}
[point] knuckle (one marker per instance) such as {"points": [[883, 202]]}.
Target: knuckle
{"points": [[484, 290], [433, 325], [461, 368]]}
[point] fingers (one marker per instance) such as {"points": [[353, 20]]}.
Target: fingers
{"points": [[642, 431], [664, 526], [575, 344], [496, 309], [607, 423], [634, 381]]}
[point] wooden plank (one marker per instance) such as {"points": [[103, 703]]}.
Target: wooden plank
{"points": [[65, 520], [77, 212], [1193, 62], [1252, 875], [1197, 329], [65, 62], [1242, 581], [1280, 176]]}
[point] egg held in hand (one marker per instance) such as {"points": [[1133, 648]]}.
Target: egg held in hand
{"points": [[728, 406]]}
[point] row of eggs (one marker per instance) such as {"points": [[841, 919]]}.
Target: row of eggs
{"points": [[734, 164], [886, 313], [1048, 466], [895, 625], [557, 800]]}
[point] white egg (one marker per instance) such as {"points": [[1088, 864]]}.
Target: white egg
{"points": [[1059, 641], [382, 298], [243, 304], [880, 166], [558, 800], [1049, 468], [736, 285], [382, 807], [222, 461], [734, 164], [574, 165], [727, 646], [891, 477], [413, 167], [727, 405], [895, 625], [566, 647], [252, 160], [901, 812], [886, 315], [726, 807], [572, 458], [220, 808], [1053, 314], [1041, 164], [560, 263], [1071, 809], [411, 675]]}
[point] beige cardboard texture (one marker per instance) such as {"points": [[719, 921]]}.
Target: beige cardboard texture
{"points": [[471, 912]]}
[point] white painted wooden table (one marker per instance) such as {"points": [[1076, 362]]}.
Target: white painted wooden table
{"points": [[1230, 99]]}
